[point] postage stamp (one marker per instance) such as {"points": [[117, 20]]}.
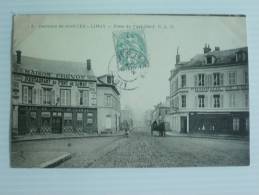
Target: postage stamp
{"points": [[131, 62]]}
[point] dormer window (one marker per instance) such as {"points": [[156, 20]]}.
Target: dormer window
{"points": [[210, 59], [109, 79], [241, 56]]}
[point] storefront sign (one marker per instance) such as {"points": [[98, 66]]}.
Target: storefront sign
{"points": [[45, 114], [67, 116], [55, 75]]}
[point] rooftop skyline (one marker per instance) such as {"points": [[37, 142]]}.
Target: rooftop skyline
{"points": [[40, 37]]}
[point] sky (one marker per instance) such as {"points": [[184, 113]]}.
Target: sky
{"points": [[79, 37]]}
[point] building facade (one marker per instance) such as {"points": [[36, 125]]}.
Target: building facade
{"points": [[108, 101], [52, 96], [127, 115], [209, 93]]}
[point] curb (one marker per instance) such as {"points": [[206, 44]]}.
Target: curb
{"points": [[56, 161], [213, 137], [57, 138]]}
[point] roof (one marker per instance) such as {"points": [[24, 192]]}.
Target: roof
{"points": [[221, 58], [100, 83], [54, 66]]}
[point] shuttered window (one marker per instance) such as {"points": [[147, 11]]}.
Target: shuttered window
{"points": [[27, 94], [232, 78], [216, 99], [200, 79], [65, 96]]}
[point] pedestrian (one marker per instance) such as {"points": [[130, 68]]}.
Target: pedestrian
{"points": [[126, 128], [153, 127], [161, 128]]}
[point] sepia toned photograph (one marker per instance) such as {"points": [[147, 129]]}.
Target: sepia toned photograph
{"points": [[129, 91]]}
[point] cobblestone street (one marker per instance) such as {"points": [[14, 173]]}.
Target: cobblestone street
{"points": [[142, 150], [138, 150]]}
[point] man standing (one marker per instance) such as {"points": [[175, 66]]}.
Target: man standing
{"points": [[161, 128], [153, 127]]}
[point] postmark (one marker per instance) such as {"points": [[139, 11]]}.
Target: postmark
{"points": [[130, 62]]}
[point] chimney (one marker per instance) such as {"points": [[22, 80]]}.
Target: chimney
{"points": [[88, 64], [217, 48], [206, 49], [177, 58], [18, 56]]}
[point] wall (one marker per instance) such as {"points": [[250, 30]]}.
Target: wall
{"points": [[225, 91], [103, 109]]}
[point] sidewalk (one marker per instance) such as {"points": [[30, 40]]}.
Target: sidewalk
{"points": [[208, 136], [42, 159], [51, 136]]}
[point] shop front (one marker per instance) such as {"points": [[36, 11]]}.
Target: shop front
{"points": [[219, 123], [56, 120]]}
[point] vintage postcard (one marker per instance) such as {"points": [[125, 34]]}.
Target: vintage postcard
{"points": [[118, 91]]}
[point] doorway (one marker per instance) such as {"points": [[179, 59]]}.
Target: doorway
{"points": [[56, 124], [183, 124]]}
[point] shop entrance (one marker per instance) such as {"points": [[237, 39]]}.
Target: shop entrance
{"points": [[22, 122], [57, 123], [183, 124]]}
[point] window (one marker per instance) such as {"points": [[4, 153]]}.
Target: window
{"points": [[110, 79], [183, 101], [79, 118], [81, 98], [90, 118], [232, 78], [84, 97], [216, 101], [67, 119], [34, 95], [236, 124], [216, 79], [39, 96], [108, 100], [241, 56], [232, 100], [201, 99], [183, 78], [45, 121], [209, 59], [200, 79], [65, 97], [46, 96], [27, 94]]}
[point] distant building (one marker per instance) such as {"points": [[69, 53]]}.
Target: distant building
{"points": [[148, 117], [127, 115], [51, 96], [108, 101], [209, 93]]}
